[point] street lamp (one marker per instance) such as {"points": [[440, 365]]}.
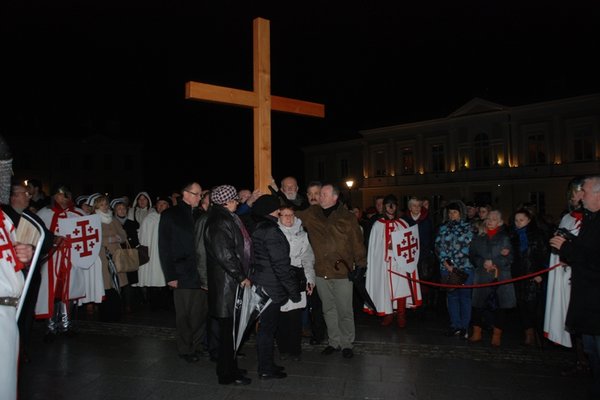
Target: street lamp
{"points": [[349, 183]]}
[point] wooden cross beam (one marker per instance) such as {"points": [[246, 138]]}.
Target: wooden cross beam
{"points": [[260, 100]]}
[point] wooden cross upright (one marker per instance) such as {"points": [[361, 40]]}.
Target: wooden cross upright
{"points": [[260, 100]]}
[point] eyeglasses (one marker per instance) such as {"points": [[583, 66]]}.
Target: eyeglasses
{"points": [[194, 193]]}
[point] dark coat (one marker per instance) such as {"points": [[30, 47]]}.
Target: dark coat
{"points": [[224, 251], [483, 248], [272, 266], [131, 229], [199, 233], [176, 246], [583, 255], [534, 258]]}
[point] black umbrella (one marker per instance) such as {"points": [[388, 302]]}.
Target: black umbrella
{"points": [[250, 302], [358, 277]]}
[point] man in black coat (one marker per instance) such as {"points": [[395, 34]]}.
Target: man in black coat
{"points": [[273, 272], [228, 255], [177, 252], [582, 253]]}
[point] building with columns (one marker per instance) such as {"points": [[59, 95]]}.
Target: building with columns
{"points": [[483, 152]]}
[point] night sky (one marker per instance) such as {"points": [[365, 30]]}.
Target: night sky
{"points": [[71, 69]]}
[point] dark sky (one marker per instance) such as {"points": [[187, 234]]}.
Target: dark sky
{"points": [[72, 67]]}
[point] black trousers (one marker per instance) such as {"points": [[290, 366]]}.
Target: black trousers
{"points": [[289, 332], [191, 313], [27, 315], [265, 338], [227, 368]]}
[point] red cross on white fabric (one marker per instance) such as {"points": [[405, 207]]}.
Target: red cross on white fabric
{"points": [[84, 238], [408, 247]]}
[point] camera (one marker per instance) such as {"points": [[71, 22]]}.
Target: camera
{"points": [[563, 233]]}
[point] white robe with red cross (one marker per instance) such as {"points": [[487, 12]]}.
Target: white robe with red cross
{"points": [[386, 279], [11, 285], [44, 307]]}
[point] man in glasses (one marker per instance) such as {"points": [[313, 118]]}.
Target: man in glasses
{"points": [[177, 252]]}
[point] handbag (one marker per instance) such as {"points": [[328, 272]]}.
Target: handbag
{"points": [[300, 277], [143, 254], [126, 259]]}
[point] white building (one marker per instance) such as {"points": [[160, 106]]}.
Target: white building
{"points": [[485, 152]]}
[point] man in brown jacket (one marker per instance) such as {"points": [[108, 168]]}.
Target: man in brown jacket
{"points": [[335, 235]]}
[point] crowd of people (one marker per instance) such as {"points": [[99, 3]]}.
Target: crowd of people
{"points": [[308, 252]]}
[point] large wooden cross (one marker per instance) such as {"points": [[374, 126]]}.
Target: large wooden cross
{"points": [[260, 100]]}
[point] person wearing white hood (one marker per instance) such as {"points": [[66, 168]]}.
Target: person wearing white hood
{"points": [[142, 206], [289, 331]]}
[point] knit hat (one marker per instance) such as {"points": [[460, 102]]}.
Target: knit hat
{"points": [[454, 206], [265, 205], [114, 202], [164, 198], [390, 198], [92, 197], [222, 194], [80, 200]]}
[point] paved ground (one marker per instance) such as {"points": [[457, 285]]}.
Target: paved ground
{"points": [[137, 359]]}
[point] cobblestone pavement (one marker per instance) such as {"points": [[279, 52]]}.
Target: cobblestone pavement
{"points": [[137, 359]]}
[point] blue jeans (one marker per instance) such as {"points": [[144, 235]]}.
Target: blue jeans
{"points": [[591, 347], [459, 305]]}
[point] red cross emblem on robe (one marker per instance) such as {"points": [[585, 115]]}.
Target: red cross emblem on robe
{"points": [[84, 235]]}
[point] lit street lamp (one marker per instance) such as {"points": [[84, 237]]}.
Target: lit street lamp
{"points": [[349, 183]]}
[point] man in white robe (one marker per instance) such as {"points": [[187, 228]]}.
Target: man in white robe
{"points": [[61, 285], [388, 289], [13, 258]]}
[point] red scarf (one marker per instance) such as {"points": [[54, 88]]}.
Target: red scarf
{"points": [[60, 212], [492, 232]]}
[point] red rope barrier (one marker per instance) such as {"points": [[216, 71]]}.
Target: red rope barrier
{"points": [[480, 285]]}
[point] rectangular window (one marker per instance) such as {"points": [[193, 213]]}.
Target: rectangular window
{"points": [[438, 158], [407, 162], [464, 157], [536, 149], [583, 144], [481, 151], [380, 169]]}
